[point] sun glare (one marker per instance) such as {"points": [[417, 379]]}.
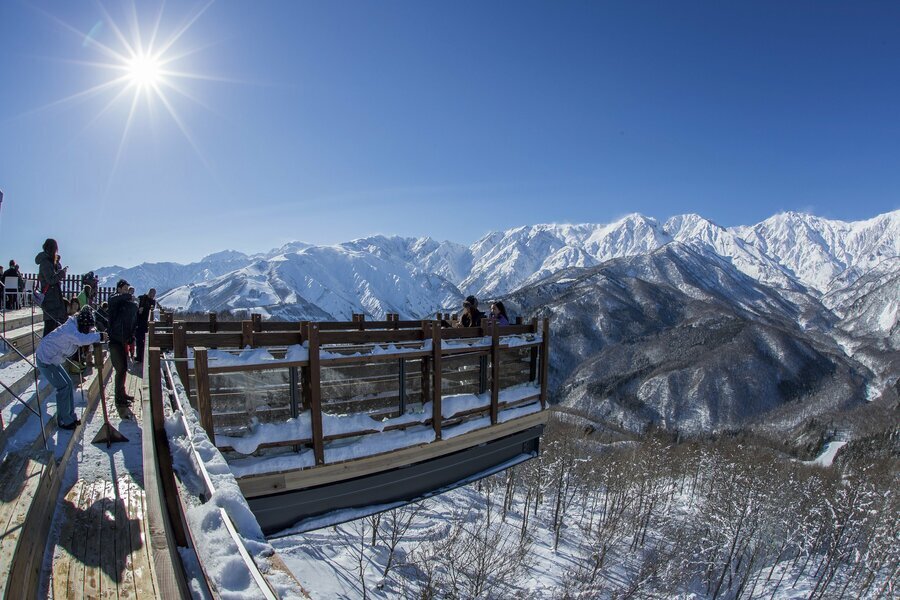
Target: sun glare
{"points": [[145, 71], [144, 66]]}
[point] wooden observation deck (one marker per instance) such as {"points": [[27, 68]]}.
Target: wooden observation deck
{"points": [[310, 418], [318, 417]]}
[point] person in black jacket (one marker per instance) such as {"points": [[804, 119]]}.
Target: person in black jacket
{"points": [[12, 299], [146, 302], [49, 278], [471, 316], [122, 321]]}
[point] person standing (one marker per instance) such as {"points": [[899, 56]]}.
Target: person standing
{"points": [[49, 280], [146, 303], [122, 321], [11, 300], [53, 350]]}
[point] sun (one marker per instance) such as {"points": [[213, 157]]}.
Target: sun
{"points": [[143, 66], [145, 70]]}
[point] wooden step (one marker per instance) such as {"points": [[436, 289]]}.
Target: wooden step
{"points": [[22, 380], [22, 339], [20, 318]]}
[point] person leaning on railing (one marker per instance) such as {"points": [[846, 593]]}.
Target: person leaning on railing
{"points": [[53, 350]]}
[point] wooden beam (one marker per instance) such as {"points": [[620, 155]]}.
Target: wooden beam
{"points": [[162, 457], [436, 417], [545, 361], [315, 394], [246, 333], [204, 401], [533, 354], [263, 485], [179, 343], [495, 369]]}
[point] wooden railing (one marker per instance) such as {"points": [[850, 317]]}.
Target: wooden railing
{"points": [[475, 359], [70, 286]]}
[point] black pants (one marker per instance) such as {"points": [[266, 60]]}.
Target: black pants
{"points": [[49, 325], [140, 338], [120, 364]]}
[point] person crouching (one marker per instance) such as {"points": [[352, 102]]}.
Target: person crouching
{"points": [[52, 352]]}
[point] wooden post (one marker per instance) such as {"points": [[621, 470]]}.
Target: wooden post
{"points": [[533, 353], [495, 370], [436, 416], [545, 361], [163, 457], [204, 401], [151, 334], [256, 319], [362, 322], [401, 391], [315, 394], [519, 320], [179, 347], [426, 365], [213, 325], [246, 333]]}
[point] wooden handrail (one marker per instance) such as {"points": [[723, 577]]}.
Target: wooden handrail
{"points": [[265, 590], [431, 358]]}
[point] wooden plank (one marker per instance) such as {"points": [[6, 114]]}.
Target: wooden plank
{"points": [[215, 340], [107, 571], [167, 570], [436, 367], [180, 351], [141, 563], [163, 340], [458, 333], [162, 473], [213, 322], [122, 538], [369, 337], [246, 333], [204, 405], [315, 394], [69, 537], [545, 361], [533, 355], [91, 556], [495, 369], [262, 485]]}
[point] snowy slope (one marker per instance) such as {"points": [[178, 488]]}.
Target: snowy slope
{"points": [[816, 250], [330, 282]]}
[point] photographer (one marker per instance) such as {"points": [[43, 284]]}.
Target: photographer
{"points": [[53, 350], [49, 280]]}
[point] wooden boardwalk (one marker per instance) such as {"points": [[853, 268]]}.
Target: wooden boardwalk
{"points": [[100, 545]]}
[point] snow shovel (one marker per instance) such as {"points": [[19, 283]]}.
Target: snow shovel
{"points": [[107, 433]]}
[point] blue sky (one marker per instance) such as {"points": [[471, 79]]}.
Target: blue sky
{"points": [[327, 121]]}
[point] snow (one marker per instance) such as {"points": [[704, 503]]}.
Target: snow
{"points": [[214, 544], [827, 457], [300, 428], [417, 276]]}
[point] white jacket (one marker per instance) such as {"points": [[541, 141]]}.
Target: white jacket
{"points": [[62, 342]]}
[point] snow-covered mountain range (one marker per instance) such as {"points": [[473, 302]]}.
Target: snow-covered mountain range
{"points": [[681, 324], [415, 276]]}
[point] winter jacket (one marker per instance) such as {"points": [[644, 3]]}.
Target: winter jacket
{"points": [[62, 342], [145, 307], [122, 318], [49, 279], [465, 321], [502, 321]]}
